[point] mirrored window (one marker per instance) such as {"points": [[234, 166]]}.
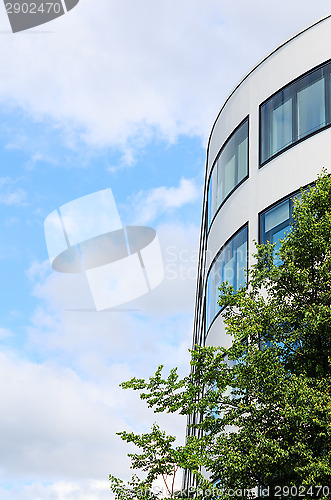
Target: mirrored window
{"points": [[311, 106], [229, 170], [276, 222], [231, 266], [296, 112], [281, 126]]}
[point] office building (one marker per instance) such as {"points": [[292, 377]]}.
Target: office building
{"points": [[271, 137]]}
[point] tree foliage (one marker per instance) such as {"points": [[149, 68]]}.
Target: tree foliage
{"points": [[265, 401]]}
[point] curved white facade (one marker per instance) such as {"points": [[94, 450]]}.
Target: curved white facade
{"points": [[295, 163]]}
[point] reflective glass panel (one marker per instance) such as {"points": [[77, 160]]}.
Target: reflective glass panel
{"points": [[229, 170], [229, 176], [311, 108], [276, 222], [281, 126], [231, 266], [295, 112]]}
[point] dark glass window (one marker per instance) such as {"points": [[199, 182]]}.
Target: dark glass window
{"points": [[276, 222], [296, 112], [230, 168], [230, 265]]}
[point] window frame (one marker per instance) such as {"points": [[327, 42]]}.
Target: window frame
{"points": [[297, 84], [278, 202], [209, 225], [244, 226]]}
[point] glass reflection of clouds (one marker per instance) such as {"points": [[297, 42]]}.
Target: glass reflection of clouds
{"points": [[231, 266], [295, 112], [276, 222]]}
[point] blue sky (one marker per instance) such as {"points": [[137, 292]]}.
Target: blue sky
{"points": [[118, 95]]}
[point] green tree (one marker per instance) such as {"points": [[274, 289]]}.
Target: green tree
{"points": [[158, 458], [265, 402]]}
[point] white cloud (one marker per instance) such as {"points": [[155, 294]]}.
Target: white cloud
{"points": [[34, 159], [55, 424], [5, 333], [153, 329], [115, 73], [9, 194], [179, 246], [91, 353], [147, 206], [59, 426], [16, 197], [69, 293], [38, 270], [82, 490], [119, 72], [63, 411]]}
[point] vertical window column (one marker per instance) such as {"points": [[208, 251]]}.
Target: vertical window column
{"points": [[295, 112], [231, 266], [276, 222], [229, 170]]}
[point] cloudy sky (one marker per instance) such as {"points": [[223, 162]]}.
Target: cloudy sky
{"points": [[120, 95]]}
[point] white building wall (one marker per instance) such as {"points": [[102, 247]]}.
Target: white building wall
{"points": [[298, 166]]}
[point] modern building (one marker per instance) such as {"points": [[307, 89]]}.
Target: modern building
{"points": [[271, 137]]}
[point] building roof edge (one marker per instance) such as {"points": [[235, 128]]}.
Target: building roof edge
{"points": [[299, 33]]}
